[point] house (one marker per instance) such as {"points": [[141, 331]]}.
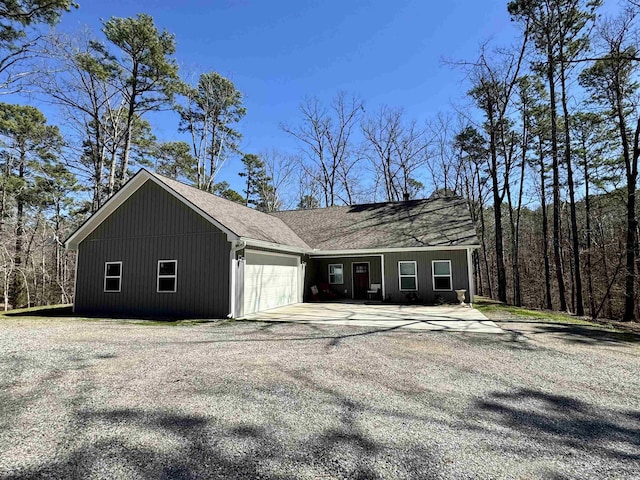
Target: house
{"points": [[160, 248]]}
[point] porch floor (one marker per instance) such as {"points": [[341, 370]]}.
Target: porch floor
{"points": [[454, 318]]}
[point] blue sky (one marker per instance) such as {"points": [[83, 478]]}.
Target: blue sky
{"points": [[277, 52]]}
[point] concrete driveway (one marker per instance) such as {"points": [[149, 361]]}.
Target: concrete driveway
{"points": [[453, 318]]}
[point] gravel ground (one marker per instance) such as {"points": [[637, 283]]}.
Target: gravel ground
{"points": [[113, 399]]}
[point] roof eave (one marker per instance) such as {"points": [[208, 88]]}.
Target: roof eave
{"points": [[252, 242], [365, 251]]}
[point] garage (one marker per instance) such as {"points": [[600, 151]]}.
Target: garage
{"points": [[270, 280]]}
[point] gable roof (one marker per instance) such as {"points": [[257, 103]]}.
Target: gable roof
{"points": [[243, 221], [433, 222], [237, 221]]}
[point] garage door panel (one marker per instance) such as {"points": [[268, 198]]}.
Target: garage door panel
{"points": [[269, 286]]}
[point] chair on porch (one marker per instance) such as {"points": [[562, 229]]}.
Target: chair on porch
{"points": [[326, 293], [374, 292]]}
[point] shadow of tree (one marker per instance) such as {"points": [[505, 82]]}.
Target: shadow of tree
{"points": [[562, 421], [587, 334], [201, 452]]}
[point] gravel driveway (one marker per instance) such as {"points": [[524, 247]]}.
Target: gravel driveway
{"points": [[112, 399]]}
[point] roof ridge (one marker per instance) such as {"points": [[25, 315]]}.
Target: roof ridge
{"points": [[395, 202], [199, 190]]}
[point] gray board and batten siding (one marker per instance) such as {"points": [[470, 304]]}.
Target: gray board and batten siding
{"points": [[424, 259], [318, 272], [149, 226]]}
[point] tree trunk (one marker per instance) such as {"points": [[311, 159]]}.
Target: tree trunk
{"points": [[557, 254], [497, 212], [545, 229], [16, 287], [587, 211], [632, 232], [575, 239]]}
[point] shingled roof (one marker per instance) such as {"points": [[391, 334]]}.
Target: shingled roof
{"points": [[441, 221], [434, 222], [243, 221]]}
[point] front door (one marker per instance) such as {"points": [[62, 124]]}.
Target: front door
{"points": [[360, 280]]}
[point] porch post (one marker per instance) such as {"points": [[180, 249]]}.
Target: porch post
{"points": [[382, 272], [470, 275]]}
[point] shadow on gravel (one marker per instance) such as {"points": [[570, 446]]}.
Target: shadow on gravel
{"points": [[563, 421], [588, 335], [201, 448]]}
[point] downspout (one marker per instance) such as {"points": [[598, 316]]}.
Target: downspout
{"points": [[236, 245], [75, 280], [472, 287]]}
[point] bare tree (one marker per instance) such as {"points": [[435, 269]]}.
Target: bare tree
{"points": [[325, 136], [279, 168], [397, 150]]}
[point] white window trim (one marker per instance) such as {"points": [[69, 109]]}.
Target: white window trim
{"points": [[434, 276], [401, 276], [175, 276], [334, 274], [119, 277]]}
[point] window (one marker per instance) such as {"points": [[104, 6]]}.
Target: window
{"points": [[336, 274], [112, 276], [441, 275], [167, 276], [408, 275]]}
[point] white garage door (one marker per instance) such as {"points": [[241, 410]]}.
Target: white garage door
{"points": [[270, 281]]}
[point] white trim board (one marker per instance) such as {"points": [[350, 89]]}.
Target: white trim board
{"points": [[274, 246], [433, 276], [273, 254], [379, 251], [401, 276]]}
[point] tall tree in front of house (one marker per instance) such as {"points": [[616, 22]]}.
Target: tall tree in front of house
{"points": [[148, 74], [208, 114], [27, 144], [612, 83]]}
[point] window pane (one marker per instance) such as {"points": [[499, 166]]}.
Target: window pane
{"points": [[113, 269], [441, 268], [442, 283], [407, 283], [166, 284], [167, 268], [407, 268], [112, 285], [336, 269]]}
